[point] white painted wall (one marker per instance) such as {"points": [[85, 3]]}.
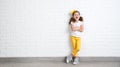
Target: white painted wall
{"points": [[39, 28]]}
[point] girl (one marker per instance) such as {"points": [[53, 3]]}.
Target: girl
{"points": [[76, 26]]}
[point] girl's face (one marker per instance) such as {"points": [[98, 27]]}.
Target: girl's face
{"points": [[76, 16]]}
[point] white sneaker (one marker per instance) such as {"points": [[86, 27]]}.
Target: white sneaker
{"points": [[69, 59], [76, 61]]}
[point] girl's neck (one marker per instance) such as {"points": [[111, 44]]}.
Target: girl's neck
{"points": [[76, 20]]}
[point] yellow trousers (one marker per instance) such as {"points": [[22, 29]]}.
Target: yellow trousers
{"points": [[76, 45]]}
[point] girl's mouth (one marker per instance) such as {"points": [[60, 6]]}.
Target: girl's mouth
{"points": [[76, 17]]}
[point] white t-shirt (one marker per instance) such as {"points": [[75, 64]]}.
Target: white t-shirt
{"points": [[76, 33]]}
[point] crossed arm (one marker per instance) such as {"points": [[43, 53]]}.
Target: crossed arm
{"points": [[77, 28]]}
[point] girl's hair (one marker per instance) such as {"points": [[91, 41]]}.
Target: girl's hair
{"points": [[72, 19]]}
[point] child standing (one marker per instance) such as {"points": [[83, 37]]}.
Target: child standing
{"points": [[76, 26]]}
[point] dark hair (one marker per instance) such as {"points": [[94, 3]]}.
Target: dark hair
{"points": [[72, 19]]}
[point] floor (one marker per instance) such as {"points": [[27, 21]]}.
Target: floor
{"points": [[59, 64]]}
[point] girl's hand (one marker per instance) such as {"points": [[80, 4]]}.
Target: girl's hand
{"points": [[81, 28]]}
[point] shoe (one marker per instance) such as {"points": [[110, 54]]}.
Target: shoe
{"points": [[69, 59], [76, 61]]}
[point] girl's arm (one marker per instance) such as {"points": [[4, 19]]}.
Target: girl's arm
{"points": [[81, 28], [77, 28], [73, 28]]}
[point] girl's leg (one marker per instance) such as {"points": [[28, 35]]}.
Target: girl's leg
{"points": [[78, 46], [73, 42], [69, 58]]}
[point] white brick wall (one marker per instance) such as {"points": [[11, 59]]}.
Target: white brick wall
{"points": [[39, 28]]}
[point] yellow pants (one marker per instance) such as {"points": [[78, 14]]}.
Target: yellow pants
{"points": [[76, 44]]}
